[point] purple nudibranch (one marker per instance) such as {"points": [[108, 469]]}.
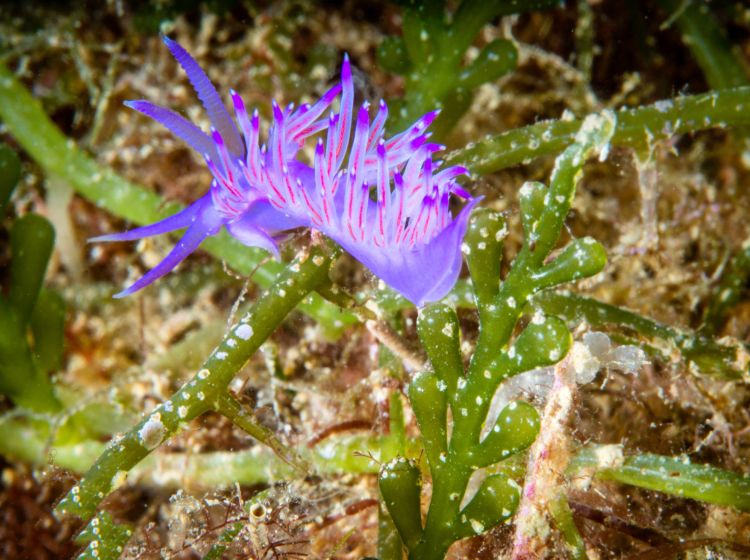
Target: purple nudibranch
{"points": [[404, 232]]}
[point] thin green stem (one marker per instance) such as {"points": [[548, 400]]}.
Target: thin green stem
{"points": [[723, 360], [432, 51], [234, 411], [205, 391], [390, 546], [728, 291], [585, 37], [638, 128], [448, 487], [677, 476], [722, 64], [27, 440], [563, 517], [703, 34]]}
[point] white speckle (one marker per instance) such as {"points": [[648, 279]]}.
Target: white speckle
{"points": [[221, 355], [117, 480], [152, 433], [609, 456], [526, 189], [447, 329], [202, 374], [182, 411], [538, 319], [477, 527], [318, 260], [244, 331]]}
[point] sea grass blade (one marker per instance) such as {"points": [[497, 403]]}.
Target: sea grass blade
{"points": [[636, 127], [205, 391], [677, 476]]}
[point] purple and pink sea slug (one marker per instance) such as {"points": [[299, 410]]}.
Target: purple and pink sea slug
{"points": [[382, 199]]}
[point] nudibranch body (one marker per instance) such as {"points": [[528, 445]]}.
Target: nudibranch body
{"points": [[380, 198]]}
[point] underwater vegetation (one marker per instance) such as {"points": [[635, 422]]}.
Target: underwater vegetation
{"points": [[474, 287]]}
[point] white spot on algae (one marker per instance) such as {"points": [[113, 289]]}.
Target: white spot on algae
{"points": [[182, 412], [152, 433], [244, 331], [117, 480], [476, 526], [609, 456]]}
